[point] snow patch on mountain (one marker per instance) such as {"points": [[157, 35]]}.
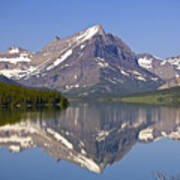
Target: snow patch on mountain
{"points": [[82, 46], [87, 162], [145, 62], [10, 73], [163, 63], [175, 61], [146, 134], [60, 60], [13, 50], [24, 141], [14, 148], [154, 79], [88, 34], [136, 73], [124, 73], [14, 60], [101, 62], [17, 73], [60, 138], [72, 86], [102, 135], [140, 78]]}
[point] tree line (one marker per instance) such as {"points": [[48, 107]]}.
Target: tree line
{"points": [[18, 96]]}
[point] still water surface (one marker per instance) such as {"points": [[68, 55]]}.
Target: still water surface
{"points": [[108, 141]]}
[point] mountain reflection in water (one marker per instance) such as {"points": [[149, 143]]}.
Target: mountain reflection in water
{"points": [[89, 135]]}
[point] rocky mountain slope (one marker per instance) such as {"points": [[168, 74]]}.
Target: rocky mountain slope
{"points": [[175, 61], [88, 62], [172, 83], [15, 63], [165, 69]]}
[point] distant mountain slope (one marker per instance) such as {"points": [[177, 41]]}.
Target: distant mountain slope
{"points": [[175, 61], [165, 69], [15, 63], [172, 83]]}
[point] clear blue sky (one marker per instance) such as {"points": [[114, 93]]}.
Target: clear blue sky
{"points": [[145, 25]]}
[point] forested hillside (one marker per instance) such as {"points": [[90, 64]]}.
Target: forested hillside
{"points": [[20, 97]]}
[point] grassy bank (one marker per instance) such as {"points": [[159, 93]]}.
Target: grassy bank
{"points": [[159, 97]]}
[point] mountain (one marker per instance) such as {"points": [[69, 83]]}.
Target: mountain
{"points": [[166, 69], [15, 63], [172, 83], [175, 61], [89, 62]]}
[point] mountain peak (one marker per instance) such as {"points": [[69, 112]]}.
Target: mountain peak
{"points": [[95, 29], [89, 33], [97, 26]]}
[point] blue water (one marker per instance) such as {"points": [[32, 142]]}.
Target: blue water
{"points": [[139, 162]]}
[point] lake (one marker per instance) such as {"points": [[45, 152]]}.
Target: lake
{"points": [[89, 141]]}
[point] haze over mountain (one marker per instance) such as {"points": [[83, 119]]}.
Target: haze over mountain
{"points": [[87, 63]]}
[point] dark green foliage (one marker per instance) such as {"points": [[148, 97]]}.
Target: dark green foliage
{"points": [[20, 97]]}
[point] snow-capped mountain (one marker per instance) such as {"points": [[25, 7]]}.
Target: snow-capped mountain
{"points": [[15, 63], [88, 62], [166, 69], [175, 61]]}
